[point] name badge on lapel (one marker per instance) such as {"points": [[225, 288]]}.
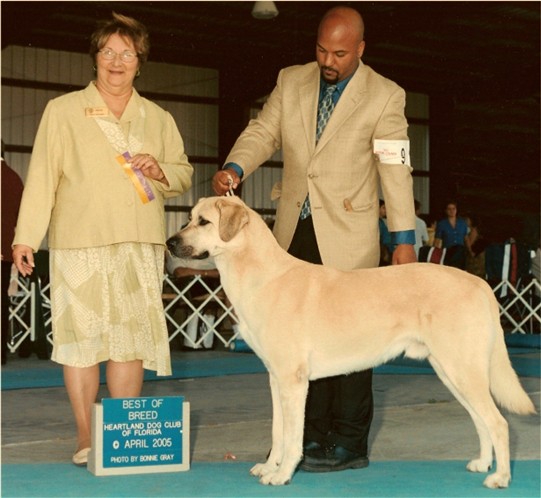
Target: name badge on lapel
{"points": [[94, 112]]}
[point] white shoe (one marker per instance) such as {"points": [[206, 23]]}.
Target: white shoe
{"points": [[81, 457], [191, 334]]}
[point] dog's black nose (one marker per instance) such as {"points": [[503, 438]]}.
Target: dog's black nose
{"points": [[172, 244]]}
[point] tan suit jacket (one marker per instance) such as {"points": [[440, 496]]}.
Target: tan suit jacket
{"points": [[341, 171]]}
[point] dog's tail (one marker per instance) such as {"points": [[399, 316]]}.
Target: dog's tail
{"points": [[504, 382]]}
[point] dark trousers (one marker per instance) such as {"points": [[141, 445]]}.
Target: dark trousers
{"points": [[339, 409]]}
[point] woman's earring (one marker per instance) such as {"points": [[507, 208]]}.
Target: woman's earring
{"points": [[138, 73], [95, 68]]}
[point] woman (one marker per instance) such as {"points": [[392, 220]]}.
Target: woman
{"points": [[476, 245], [451, 234], [451, 230], [103, 161]]}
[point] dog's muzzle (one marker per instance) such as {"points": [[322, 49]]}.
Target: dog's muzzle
{"points": [[178, 249]]}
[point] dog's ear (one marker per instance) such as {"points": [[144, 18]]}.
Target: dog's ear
{"points": [[232, 218]]}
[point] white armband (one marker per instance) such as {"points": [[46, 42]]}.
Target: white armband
{"points": [[392, 151]]}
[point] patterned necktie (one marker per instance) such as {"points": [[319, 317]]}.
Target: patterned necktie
{"points": [[324, 112]]}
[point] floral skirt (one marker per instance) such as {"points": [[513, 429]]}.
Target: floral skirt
{"points": [[107, 305]]}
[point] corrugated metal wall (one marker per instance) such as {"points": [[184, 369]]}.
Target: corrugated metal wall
{"points": [[23, 104], [198, 122]]}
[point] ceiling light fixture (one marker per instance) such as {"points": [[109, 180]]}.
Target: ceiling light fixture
{"points": [[264, 10]]}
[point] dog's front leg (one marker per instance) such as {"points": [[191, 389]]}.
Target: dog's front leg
{"points": [[292, 389], [275, 456]]}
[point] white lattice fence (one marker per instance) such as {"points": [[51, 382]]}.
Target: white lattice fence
{"points": [[520, 309], [21, 315], [196, 309], [29, 309]]}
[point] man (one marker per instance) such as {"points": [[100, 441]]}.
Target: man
{"points": [[329, 206], [421, 230], [12, 191]]}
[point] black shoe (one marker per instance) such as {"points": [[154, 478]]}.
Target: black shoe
{"points": [[310, 447], [333, 459]]}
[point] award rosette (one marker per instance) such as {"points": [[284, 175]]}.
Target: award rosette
{"points": [[136, 176]]}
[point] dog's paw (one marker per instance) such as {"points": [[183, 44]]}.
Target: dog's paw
{"points": [[479, 465], [277, 478], [497, 480], [262, 469]]}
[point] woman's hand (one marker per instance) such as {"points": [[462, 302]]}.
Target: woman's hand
{"points": [[149, 167], [23, 257]]}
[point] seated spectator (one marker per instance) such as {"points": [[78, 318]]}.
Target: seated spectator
{"points": [[475, 244], [177, 268], [431, 233]]}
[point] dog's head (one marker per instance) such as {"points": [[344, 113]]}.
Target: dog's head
{"points": [[214, 223]]}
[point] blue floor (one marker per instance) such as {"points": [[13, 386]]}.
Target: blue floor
{"points": [[418, 479], [246, 363], [232, 479]]}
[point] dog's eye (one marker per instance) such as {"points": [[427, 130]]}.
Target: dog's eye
{"points": [[203, 222]]}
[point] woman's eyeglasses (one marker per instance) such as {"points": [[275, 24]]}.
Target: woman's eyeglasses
{"points": [[126, 56]]}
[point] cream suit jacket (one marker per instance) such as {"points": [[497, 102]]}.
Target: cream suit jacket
{"points": [[341, 171], [77, 190]]}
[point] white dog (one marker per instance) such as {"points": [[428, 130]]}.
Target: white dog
{"points": [[309, 321]]}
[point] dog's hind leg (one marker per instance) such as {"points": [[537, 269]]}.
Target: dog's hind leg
{"points": [[275, 456], [484, 462], [293, 389], [469, 384]]}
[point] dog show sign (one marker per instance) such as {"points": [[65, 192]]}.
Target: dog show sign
{"points": [[140, 435]]}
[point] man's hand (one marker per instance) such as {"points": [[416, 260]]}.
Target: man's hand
{"points": [[23, 257], [404, 253], [221, 181]]}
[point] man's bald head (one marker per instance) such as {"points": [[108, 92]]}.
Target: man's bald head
{"points": [[345, 18], [340, 43]]}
